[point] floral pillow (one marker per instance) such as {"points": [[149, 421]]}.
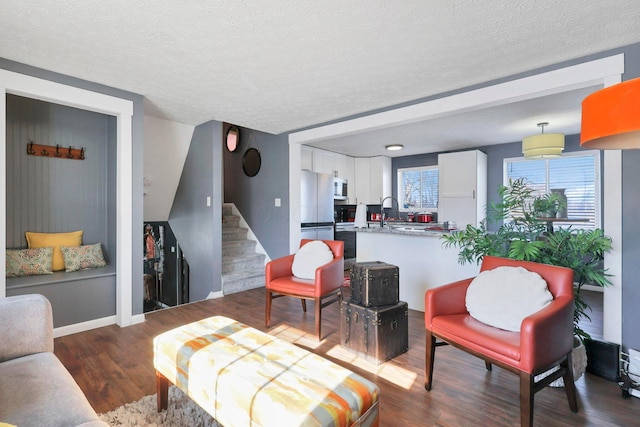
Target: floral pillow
{"points": [[83, 257], [29, 262]]}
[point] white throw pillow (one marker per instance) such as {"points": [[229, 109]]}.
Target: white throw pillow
{"points": [[309, 257], [503, 297]]}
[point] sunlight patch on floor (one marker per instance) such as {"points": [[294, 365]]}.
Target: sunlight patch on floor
{"points": [[296, 336], [388, 370]]}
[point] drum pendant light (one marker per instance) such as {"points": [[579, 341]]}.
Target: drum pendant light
{"points": [[611, 117], [543, 145]]}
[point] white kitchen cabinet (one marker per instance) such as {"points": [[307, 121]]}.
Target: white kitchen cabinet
{"points": [[322, 161], [373, 179], [462, 188], [344, 168], [336, 164], [380, 179], [362, 187]]}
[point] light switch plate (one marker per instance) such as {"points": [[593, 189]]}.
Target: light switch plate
{"points": [[278, 202]]}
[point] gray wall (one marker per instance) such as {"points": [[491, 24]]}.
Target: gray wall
{"points": [[137, 156], [198, 227], [48, 194], [631, 225], [255, 196]]}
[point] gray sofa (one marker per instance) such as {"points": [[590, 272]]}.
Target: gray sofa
{"points": [[35, 388]]}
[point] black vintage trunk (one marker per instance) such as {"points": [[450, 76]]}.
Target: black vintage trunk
{"points": [[374, 284], [377, 333]]}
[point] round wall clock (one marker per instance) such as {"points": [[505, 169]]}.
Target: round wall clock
{"points": [[251, 162], [232, 138]]}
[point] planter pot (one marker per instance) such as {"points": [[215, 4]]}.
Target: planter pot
{"points": [[579, 360], [562, 205]]}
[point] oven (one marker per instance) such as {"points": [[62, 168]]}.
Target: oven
{"points": [[346, 232]]}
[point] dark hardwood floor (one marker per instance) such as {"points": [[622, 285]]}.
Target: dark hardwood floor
{"points": [[114, 366]]}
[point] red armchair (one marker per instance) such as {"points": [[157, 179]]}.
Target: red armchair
{"points": [[545, 339], [323, 290]]}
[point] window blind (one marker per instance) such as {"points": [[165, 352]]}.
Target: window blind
{"points": [[577, 174]]}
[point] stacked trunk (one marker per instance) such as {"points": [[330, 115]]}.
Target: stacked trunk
{"points": [[373, 321]]}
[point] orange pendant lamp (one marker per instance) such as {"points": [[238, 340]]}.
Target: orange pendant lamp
{"points": [[611, 117]]}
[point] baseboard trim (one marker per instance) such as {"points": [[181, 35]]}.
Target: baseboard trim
{"points": [[215, 295], [137, 318], [93, 324], [83, 326]]}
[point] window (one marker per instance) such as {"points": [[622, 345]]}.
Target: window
{"points": [[418, 188], [577, 173]]}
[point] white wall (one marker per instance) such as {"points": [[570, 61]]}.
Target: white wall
{"points": [[166, 144]]}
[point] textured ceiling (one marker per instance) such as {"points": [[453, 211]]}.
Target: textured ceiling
{"points": [[283, 65]]}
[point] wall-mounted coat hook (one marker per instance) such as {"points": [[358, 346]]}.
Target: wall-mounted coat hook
{"points": [[47, 150]]}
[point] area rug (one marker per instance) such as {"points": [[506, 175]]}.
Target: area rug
{"points": [[182, 411]]}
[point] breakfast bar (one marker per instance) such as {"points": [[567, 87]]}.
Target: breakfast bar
{"points": [[418, 252]]}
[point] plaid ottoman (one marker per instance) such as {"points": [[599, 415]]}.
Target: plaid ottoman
{"points": [[242, 376]]}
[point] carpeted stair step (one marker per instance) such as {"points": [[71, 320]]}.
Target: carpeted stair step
{"points": [[238, 247], [242, 280], [230, 221], [242, 262], [242, 267], [230, 234]]}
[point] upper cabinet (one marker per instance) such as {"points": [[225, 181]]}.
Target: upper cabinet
{"points": [[323, 161], [373, 180], [462, 188], [369, 178]]}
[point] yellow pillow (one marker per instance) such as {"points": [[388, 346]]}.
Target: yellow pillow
{"points": [[43, 240]]}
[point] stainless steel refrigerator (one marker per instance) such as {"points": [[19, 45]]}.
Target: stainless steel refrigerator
{"points": [[316, 210]]}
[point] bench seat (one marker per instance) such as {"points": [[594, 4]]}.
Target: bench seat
{"points": [[242, 376]]}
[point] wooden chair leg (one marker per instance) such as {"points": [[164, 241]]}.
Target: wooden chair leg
{"points": [[267, 310], [162, 390], [569, 383], [429, 358], [488, 365], [304, 304], [526, 399], [318, 307]]}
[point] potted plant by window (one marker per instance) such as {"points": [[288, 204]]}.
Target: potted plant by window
{"points": [[523, 235], [549, 205]]}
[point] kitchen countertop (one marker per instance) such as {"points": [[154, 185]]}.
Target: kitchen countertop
{"points": [[424, 262], [405, 228]]}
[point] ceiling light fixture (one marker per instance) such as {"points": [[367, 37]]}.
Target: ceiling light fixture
{"points": [[543, 145], [394, 147], [611, 117]]}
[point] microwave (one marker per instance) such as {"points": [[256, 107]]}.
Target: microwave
{"points": [[340, 189]]}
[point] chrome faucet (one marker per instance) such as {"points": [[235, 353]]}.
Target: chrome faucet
{"points": [[382, 208]]}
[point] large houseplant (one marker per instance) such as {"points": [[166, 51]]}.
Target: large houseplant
{"points": [[523, 235]]}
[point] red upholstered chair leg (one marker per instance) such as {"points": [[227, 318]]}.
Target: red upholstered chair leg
{"points": [[569, 384], [526, 399], [430, 356], [318, 309], [267, 311]]}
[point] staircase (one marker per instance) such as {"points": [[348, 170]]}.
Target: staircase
{"points": [[242, 267]]}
